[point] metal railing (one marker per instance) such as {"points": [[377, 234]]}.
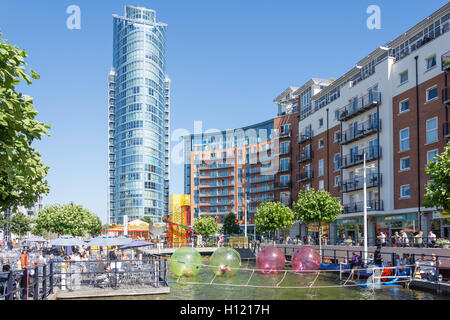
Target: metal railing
{"points": [[305, 136], [305, 156], [372, 180], [363, 129], [446, 96], [372, 205], [359, 105], [445, 61], [352, 159], [305, 176]]}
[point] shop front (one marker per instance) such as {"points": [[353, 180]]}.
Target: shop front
{"points": [[313, 231], [395, 223], [440, 224], [350, 229]]}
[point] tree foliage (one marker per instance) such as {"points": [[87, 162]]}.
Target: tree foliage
{"points": [[230, 224], [438, 190], [272, 216], [316, 206], [206, 226], [67, 219], [147, 219], [20, 224], [22, 171]]}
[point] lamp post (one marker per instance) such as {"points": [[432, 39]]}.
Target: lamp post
{"points": [[365, 209]]}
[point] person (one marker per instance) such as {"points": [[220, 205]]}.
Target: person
{"points": [[419, 239], [404, 238], [51, 258], [112, 254], [381, 238], [101, 278], [377, 259], [397, 265], [355, 264], [41, 257], [288, 239], [431, 239], [395, 239], [24, 259]]}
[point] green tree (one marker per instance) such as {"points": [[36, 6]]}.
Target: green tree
{"points": [[438, 190], [230, 224], [68, 219], [316, 207], [20, 224], [22, 171], [206, 226], [148, 220], [272, 216]]}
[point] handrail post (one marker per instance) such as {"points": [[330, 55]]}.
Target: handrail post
{"points": [[51, 278], [44, 282], [10, 286], [36, 283]]}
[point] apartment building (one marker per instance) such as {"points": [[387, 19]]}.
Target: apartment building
{"points": [[391, 110]]}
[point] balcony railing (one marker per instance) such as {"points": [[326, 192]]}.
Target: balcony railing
{"points": [[260, 179], [231, 174], [372, 180], [359, 105], [372, 205], [305, 136], [353, 159], [305, 176], [262, 190], [446, 96], [282, 185], [363, 129], [216, 166], [285, 134], [222, 203], [445, 61], [263, 199], [305, 156], [209, 194], [218, 185]]}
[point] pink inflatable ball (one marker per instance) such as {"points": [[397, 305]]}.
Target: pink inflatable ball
{"points": [[305, 259], [270, 260]]}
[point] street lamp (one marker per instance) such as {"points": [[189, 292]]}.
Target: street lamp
{"points": [[245, 216], [365, 204]]}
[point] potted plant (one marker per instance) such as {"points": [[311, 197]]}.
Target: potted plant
{"points": [[443, 243]]}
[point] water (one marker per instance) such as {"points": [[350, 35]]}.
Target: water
{"points": [[180, 291]]}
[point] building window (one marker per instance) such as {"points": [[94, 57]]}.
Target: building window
{"points": [[336, 161], [404, 106], [432, 130], [320, 167], [432, 93], [404, 164], [431, 154], [320, 122], [321, 185], [431, 62], [336, 114], [284, 180], [321, 144], [337, 136], [284, 164], [404, 139], [404, 77], [337, 181], [284, 147], [405, 191]]}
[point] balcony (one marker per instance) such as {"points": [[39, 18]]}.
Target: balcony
{"points": [[446, 96], [262, 190], [359, 105], [372, 180], [209, 194], [263, 178], [216, 204], [305, 156], [362, 130], [372, 205], [353, 159], [285, 134], [282, 185], [205, 166], [445, 61], [218, 185], [262, 199], [305, 176], [305, 136]]}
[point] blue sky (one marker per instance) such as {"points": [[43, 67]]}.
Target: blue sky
{"points": [[227, 60]]}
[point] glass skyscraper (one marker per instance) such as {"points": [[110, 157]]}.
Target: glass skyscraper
{"points": [[138, 110]]}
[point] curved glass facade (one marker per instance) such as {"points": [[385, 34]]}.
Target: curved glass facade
{"points": [[138, 118]]}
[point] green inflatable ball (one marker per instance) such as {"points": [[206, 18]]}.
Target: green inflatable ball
{"points": [[185, 261], [225, 261]]}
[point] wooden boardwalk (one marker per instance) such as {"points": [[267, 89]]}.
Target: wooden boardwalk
{"points": [[107, 292]]}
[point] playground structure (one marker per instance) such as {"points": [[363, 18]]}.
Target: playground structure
{"points": [[178, 231]]}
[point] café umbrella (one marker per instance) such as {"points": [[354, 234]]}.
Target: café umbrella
{"points": [[66, 241], [36, 239], [108, 241], [135, 244]]}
